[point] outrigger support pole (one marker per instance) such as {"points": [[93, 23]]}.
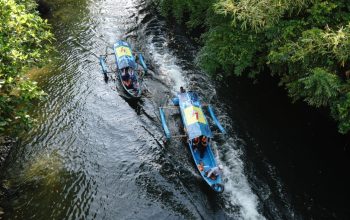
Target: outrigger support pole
{"points": [[103, 64], [143, 63], [165, 127], [211, 111]]}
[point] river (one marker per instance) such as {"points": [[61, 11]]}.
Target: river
{"points": [[94, 155]]}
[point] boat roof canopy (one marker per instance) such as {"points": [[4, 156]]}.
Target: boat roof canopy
{"points": [[194, 120], [123, 54]]}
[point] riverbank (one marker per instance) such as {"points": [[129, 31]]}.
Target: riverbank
{"points": [[6, 144], [27, 43]]}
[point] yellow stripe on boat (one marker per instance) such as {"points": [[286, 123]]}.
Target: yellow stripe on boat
{"points": [[194, 115], [123, 51]]}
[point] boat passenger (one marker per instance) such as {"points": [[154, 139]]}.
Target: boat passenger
{"points": [[132, 74], [202, 146], [204, 141], [135, 84], [214, 172], [182, 90], [195, 143], [201, 166], [126, 78]]}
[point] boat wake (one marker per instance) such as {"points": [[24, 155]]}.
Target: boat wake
{"points": [[175, 70]]}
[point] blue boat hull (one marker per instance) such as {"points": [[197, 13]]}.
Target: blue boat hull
{"points": [[124, 58], [196, 126], [208, 160]]}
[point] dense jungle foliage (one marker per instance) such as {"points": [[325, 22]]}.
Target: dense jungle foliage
{"points": [[306, 43], [24, 44]]}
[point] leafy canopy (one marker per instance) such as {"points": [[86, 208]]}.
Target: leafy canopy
{"points": [[24, 43], [304, 42]]}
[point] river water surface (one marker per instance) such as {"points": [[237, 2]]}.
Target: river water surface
{"points": [[94, 155]]}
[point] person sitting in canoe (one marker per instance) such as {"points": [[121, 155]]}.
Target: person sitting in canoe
{"points": [[195, 143], [201, 166], [214, 172], [129, 78], [203, 144], [182, 90], [135, 83], [126, 78]]}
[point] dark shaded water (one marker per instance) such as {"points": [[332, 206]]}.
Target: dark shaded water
{"points": [[294, 142], [93, 155]]}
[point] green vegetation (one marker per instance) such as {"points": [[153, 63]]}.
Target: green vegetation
{"points": [[24, 43], [306, 43]]}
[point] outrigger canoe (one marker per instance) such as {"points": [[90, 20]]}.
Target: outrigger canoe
{"points": [[128, 71], [195, 126]]}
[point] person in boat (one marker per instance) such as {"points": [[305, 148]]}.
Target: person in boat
{"points": [[203, 145], [126, 78], [132, 74], [129, 78], [195, 143], [214, 172], [201, 166], [182, 90], [135, 83]]}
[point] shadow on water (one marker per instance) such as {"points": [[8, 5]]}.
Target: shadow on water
{"points": [[294, 148], [41, 180]]}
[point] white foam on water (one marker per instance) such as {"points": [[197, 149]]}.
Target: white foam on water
{"points": [[237, 187], [168, 69]]}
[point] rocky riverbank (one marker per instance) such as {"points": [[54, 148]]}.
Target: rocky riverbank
{"points": [[5, 146]]}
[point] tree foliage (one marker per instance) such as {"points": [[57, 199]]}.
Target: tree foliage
{"points": [[228, 52], [304, 42], [24, 43], [257, 14], [318, 88], [191, 12]]}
